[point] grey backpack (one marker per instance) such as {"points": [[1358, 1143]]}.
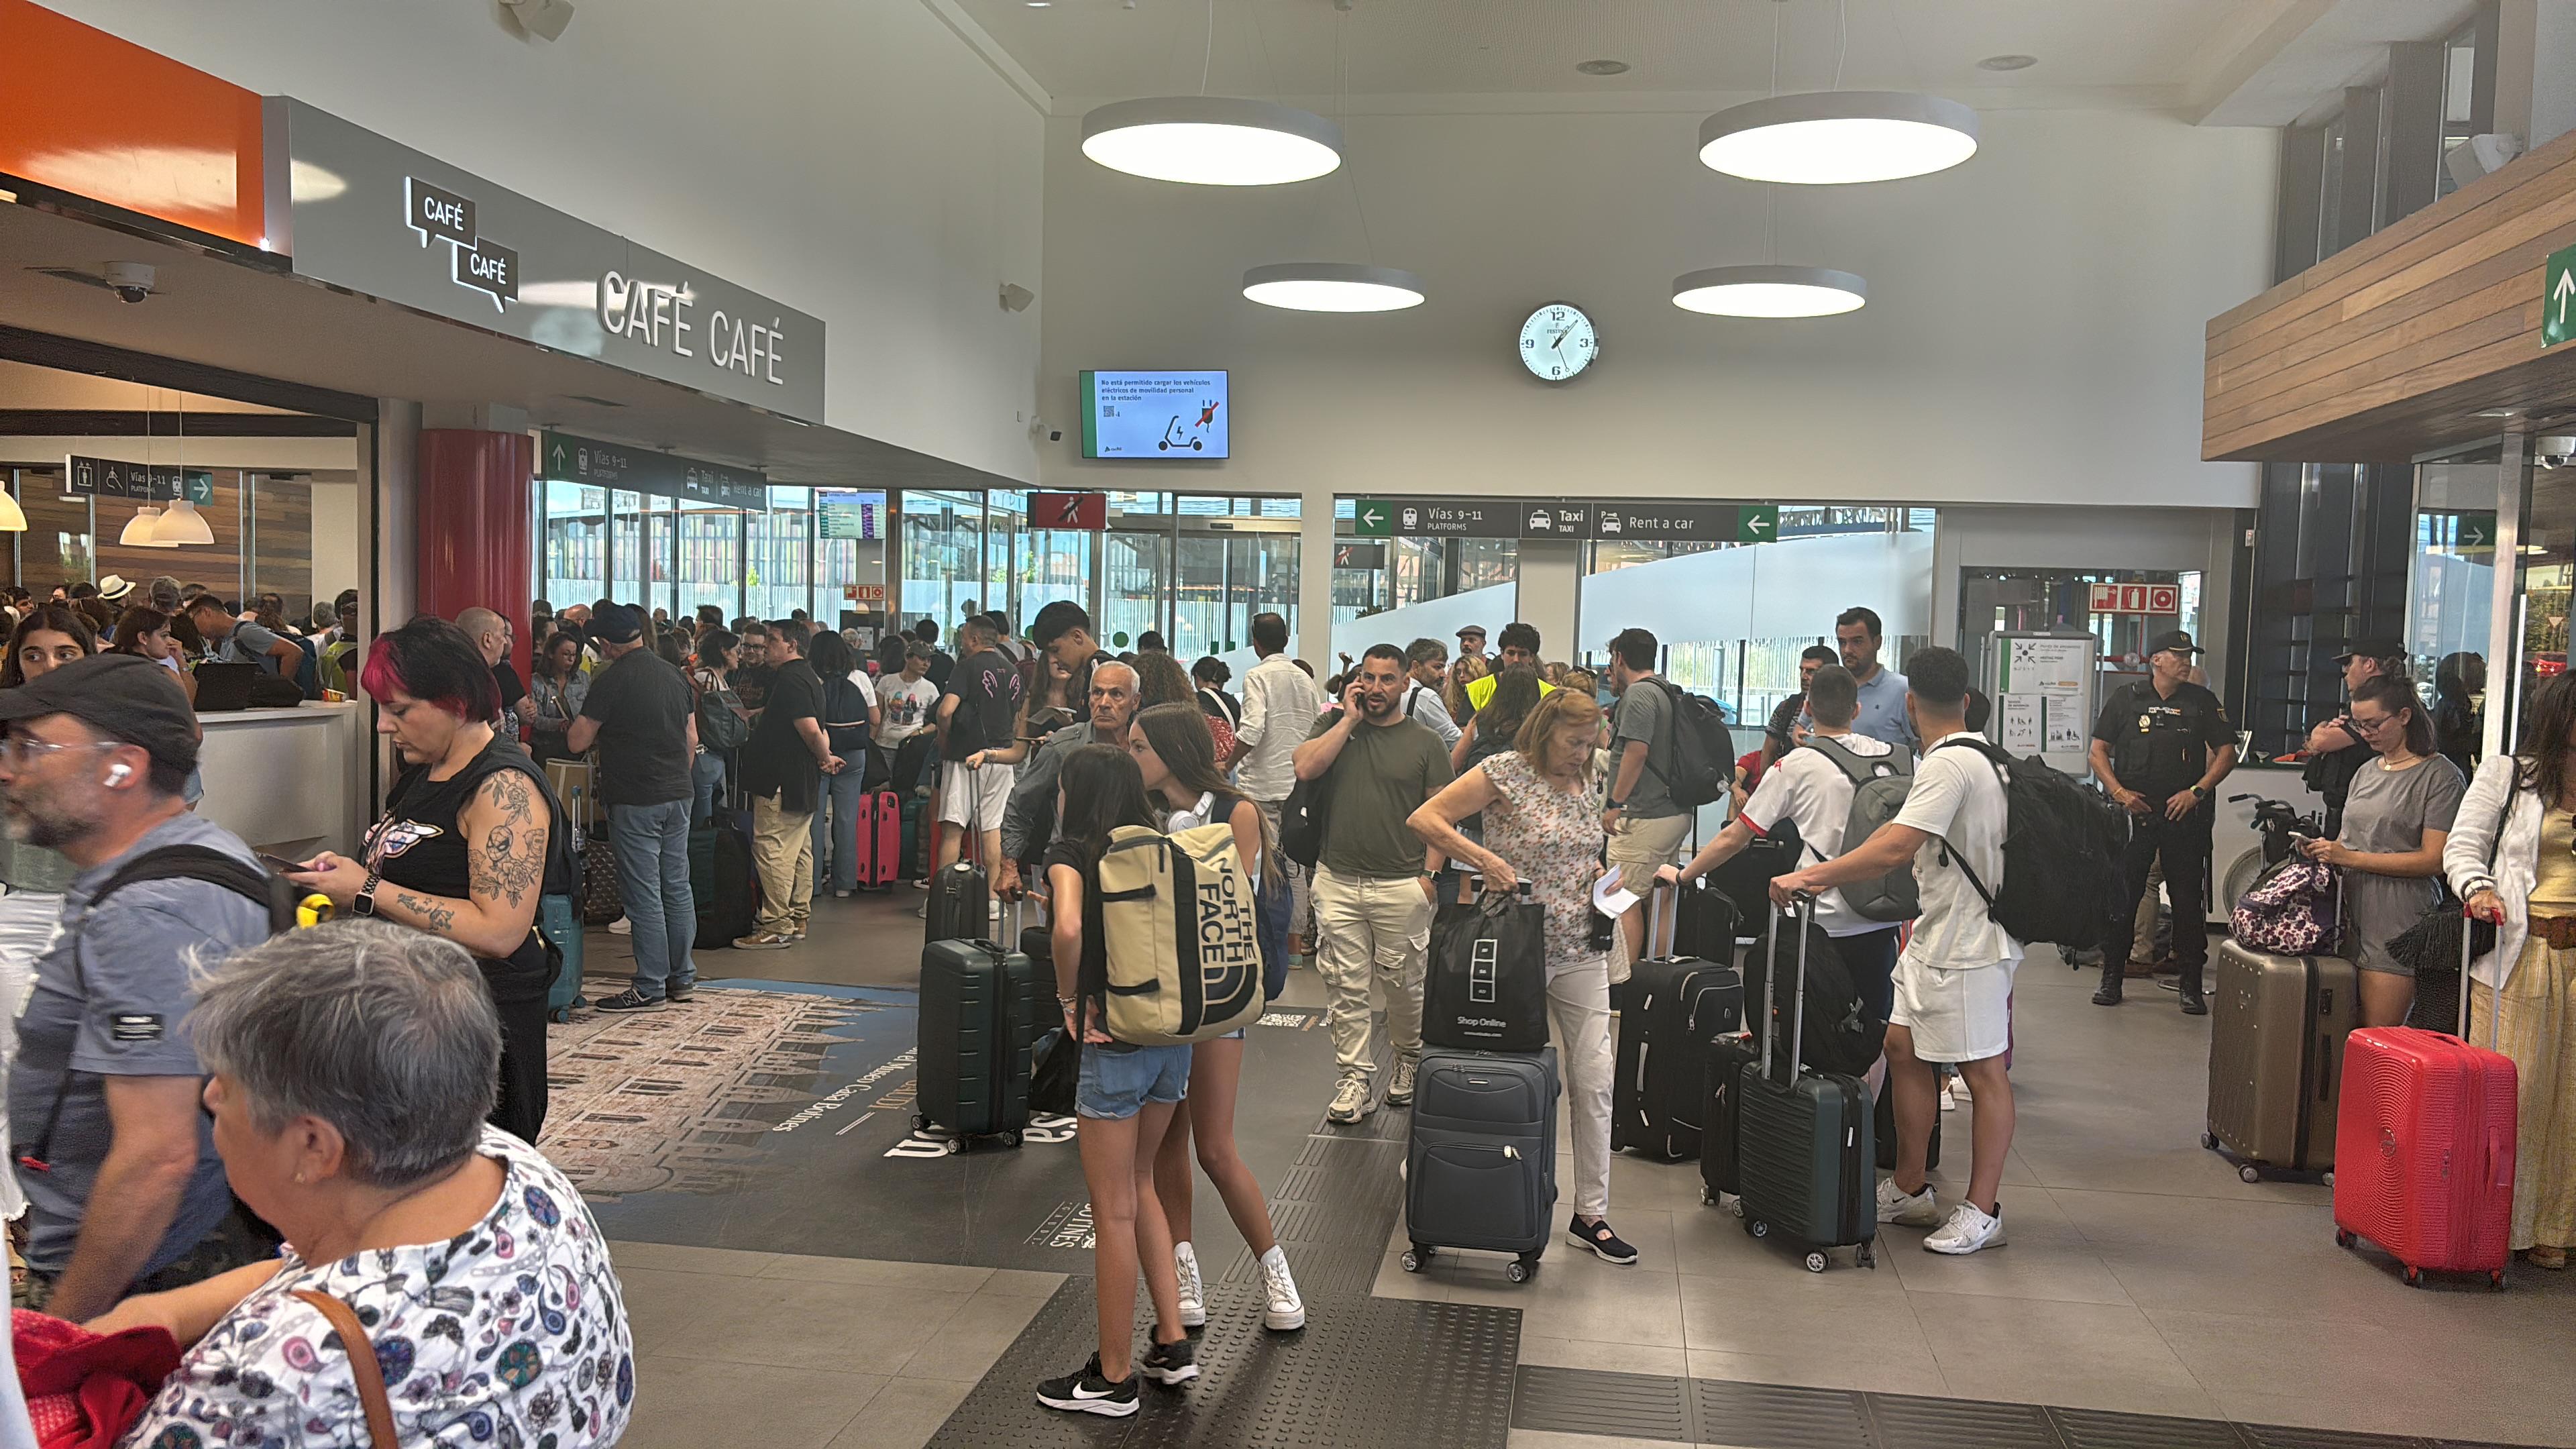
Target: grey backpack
{"points": [[1879, 786]]}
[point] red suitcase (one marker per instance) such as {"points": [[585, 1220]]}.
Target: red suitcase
{"points": [[2425, 1166], [880, 839]]}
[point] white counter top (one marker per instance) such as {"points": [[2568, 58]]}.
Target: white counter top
{"points": [[290, 781], [310, 709]]}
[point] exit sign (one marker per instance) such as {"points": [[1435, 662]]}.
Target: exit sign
{"points": [[2136, 599]]}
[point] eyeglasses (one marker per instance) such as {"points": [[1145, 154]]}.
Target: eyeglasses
{"points": [[19, 750], [2372, 726]]}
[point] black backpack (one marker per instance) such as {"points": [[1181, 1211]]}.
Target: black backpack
{"points": [[2062, 847], [1839, 1034], [1703, 748], [214, 867]]}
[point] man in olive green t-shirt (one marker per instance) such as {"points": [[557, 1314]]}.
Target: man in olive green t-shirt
{"points": [[1372, 890]]}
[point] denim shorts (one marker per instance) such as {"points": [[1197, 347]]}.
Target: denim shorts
{"points": [[1118, 1081]]}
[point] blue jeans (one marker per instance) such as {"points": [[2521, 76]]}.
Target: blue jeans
{"points": [[837, 840], [652, 845], [707, 775], [1117, 1081]]}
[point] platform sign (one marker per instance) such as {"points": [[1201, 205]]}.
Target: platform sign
{"points": [[859, 516], [2135, 599], [569, 458], [1457, 517], [2558, 298], [143, 482]]}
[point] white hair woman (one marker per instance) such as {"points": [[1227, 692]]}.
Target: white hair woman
{"points": [[353, 1067]]}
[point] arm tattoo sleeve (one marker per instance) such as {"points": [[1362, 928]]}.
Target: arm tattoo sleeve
{"points": [[440, 920], [510, 865]]}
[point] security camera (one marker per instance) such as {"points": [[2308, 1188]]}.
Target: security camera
{"points": [[2554, 451], [131, 281], [1016, 298], [1041, 428]]}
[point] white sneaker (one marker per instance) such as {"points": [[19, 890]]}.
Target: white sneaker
{"points": [[1919, 1210], [1185, 1263], [1399, 1093], [1949, 1097], [1351, 1100], [622, 926], [1287, 1311], [1967, 1231]]}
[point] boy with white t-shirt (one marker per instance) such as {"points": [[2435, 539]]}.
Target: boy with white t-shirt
{"points": [[1814, 793], [1954, 982]]}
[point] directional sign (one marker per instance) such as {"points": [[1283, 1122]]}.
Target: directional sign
{"points": [[1459, 518], [109, 478], [1373, 517], [568, 458], [1659, 520], [1557, 520], [2477, 532], [1757, 524], [2558, 298]]}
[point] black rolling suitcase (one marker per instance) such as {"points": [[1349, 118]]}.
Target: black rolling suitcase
{"points": [[978, 1005], [961, 894], [1480, 1164], [1805, 1145], [1670, 1009], [1728, 1058], [1883, 1122], [723, 881]]}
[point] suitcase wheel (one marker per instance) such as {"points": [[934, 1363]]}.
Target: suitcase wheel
{"points": [[2249, 1173], [1757, 1227], [920, 1121], [2414, 1277], [1735, 1205], [1815, 1261], [1521, 1270], [1010, 1139], [2209, 1140], [2345, 1237], [2329, 1178], [1416, 1258], [1706, 1198], [560, 1016], [1867, 1257], [2495, 1279]]}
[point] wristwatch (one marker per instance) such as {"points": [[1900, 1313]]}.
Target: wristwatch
{"points": [[2199, 793], [1614, 804], [364, 902]]}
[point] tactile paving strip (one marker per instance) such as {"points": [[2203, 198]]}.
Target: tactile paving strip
{"points": [[1774, 1416], [1906, 1422], [2097, 1429], [1579, 1401]]}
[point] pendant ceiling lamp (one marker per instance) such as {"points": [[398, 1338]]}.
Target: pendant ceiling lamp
{"points": [[13, 519], [1212, 141], [1333, 287], [140, 528], [182, 524], [1769, 291], [1834, 138]]}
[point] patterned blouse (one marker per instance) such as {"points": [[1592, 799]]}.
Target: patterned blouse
{"points": [[1553, 840], [510, 1334]]}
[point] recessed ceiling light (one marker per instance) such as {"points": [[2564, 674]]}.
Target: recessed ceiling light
{"points": [[1212, 140], [1333, 287], [2008, 62], [1603, 67], [1828, 138]]}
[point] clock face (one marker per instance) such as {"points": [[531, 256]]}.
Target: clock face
{"points": [[1557, 342]]}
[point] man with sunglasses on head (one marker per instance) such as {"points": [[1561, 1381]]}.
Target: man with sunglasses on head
{"points": [[2160, 748], [125, 1191]]}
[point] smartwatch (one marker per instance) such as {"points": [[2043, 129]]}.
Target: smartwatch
{"points": [[2198, 793], [364, 902], [1615, 805]]}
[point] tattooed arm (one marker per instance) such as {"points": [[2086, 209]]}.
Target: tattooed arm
{"points": [[505, 827]]}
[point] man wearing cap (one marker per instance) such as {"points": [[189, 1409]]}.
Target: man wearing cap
{"points": [[643, 716], [2336, 750], [2160, 748], [125, 1191], [1471, 642]]}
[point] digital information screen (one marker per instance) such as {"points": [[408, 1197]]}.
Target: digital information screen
{"points": [[1154, 415]]}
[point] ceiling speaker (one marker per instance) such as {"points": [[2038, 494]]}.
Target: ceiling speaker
{"points": [[2481, 154], [544, 19]]}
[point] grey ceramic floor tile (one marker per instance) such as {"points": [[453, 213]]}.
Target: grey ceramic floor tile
{"points": [[2218, 1256], [1617, 1358], [869, 1327], [1636, 1182], [968, 1341], [2045, 1256], [672, 1258], [1843, 1311], [1884, 1370], [935, 1277], [660, 1304], [1021, 1283], [1394, 1282], [2083, 1355], [2428, 1372], [1575, 1297], [1648, 1230], [694, 1403], [904, 1414]]}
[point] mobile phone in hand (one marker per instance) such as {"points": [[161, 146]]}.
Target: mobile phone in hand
{"points": [[280, 864]]}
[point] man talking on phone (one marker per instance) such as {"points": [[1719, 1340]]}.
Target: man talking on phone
{"points": [[125, 1193], [1372, 890]]}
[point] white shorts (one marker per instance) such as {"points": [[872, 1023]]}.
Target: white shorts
{"points": [[1955, 1016], [982, 793]]}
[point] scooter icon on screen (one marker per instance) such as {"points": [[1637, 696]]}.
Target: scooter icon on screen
{"points": [[1174, 436]]}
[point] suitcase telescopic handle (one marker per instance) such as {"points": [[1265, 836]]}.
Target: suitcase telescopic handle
{"points": [[1798, 998]]}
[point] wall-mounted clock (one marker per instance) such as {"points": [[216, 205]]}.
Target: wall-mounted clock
{"points": [[1558, 342]]}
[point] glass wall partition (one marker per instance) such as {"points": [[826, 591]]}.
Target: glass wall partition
{"points": [[2450, 593], [942, 543], [574, 561], [779, 551], [1236, 557], [710, 564]]}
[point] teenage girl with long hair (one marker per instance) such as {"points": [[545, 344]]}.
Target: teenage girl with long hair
{"points": [[1175, 753]]}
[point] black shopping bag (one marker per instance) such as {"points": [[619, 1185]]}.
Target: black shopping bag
{"points": [[1487, 985]]}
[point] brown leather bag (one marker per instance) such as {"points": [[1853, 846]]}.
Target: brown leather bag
{"points": [[362, 1365]]}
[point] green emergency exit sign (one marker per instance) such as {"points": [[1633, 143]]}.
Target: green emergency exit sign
{"points": [[2558, 298]]}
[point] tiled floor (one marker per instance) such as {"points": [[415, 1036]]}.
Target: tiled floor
{"points": [[784, 1352], [2142, 1276]]}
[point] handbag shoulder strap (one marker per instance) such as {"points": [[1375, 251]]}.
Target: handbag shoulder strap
{"points": [[362, 1365]]}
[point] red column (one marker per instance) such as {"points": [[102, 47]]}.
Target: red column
{"points": [[474, 545]]}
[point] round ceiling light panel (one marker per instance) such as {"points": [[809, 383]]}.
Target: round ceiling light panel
{"points": [[1769, 292], [1333, 287], [1836, 138], [1212, 141]]}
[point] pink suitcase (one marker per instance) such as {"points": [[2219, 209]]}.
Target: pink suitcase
{"points": [[2425, 1150], [880, 839]]}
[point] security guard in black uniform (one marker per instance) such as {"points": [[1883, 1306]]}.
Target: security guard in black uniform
{"points": [[2161, 748]]}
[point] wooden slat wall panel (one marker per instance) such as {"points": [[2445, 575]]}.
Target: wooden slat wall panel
{"points": [[2387, 348]]}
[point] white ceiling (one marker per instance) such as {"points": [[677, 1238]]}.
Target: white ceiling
{"points": [[2157, 53]]}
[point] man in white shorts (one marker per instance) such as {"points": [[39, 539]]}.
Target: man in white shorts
{"points": [[979, 714], [1954, 981]]}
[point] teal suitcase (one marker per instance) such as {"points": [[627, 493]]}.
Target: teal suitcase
{"points": [[560, 924]]}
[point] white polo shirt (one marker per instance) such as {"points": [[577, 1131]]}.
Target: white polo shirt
{"points": [[1957, 798], [1814, 793]]}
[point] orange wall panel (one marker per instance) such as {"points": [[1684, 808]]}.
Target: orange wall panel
{"points": [[84, 112]]}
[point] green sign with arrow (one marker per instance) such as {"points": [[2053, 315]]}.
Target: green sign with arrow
{"points": [[2476, 533], [1757, 524], [1373, 518], [2558, 298]]}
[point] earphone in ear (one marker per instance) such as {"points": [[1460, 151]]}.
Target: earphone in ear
{"points": [[119, 773]]}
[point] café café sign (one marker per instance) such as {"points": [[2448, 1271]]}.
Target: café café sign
{"points": [[360, 211]]}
